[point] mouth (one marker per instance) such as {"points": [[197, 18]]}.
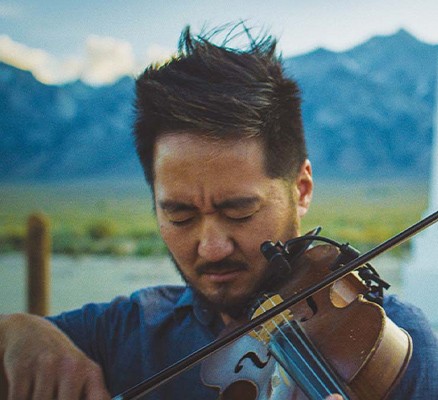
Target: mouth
{"points": [[222, 272], [222, 276]]}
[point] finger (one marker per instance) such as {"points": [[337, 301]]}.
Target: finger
{"points": [[334, 397], [19, 389], [45, 375], [95, 386], [72, 377], [70, 389], [44, 387]]}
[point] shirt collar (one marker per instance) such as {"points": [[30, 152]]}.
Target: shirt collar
{"points": [[191, 301]]}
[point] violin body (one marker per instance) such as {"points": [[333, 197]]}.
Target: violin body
{"points": [[363, 348], [251, 373]]}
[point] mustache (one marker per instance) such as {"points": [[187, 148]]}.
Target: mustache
{"points": [[221, 267]]}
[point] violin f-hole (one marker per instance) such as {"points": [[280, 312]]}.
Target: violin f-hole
{"points": [[313, 307], [255, 360], [240, 390]]}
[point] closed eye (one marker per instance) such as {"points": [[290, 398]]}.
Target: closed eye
{"points": [[181, 223], [239, 215], [240, 219], [177, 213], [180, 218], [240, 209]]}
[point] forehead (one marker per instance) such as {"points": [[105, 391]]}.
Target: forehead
{"points": [[191, 148], [183, 161], [201, 145]]}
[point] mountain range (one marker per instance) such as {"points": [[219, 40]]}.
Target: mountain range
{"points": [[368, 112]]}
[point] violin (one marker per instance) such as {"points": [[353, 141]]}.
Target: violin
{"points": [[317, 329], [336, 341]]}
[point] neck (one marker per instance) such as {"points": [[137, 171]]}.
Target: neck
{"points": [[232, 322], [226, 319]]}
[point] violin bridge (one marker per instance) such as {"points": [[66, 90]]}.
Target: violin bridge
{"points": [[266, 330]]}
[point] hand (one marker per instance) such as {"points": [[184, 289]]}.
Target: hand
{"points": [[40, 362], [334, 397]]}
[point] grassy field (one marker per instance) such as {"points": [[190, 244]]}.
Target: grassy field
{"points": [[367, 213], [116, 217]]}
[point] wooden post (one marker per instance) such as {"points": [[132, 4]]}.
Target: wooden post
{"points": [[38, 246], [3, 384]]}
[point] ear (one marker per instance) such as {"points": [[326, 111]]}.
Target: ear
{"points": [[304, 187]]}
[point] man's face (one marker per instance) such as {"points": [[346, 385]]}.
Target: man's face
{"points": [[216, 205]]}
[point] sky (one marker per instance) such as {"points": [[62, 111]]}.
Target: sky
{"points": [[100, 40]]}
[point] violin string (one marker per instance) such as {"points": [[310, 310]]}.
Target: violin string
{"points": [[263, 328], [286, 338], [302, 358], [298, 338]]}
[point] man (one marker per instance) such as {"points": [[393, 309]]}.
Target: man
{"points": [[220, 138]]}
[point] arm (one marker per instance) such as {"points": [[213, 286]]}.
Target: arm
{"points": [[39, 360]]}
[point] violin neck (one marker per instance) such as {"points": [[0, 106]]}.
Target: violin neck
{"points": [[295, 353]]}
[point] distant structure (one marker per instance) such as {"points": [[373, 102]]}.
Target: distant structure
{"points": [[420, 275]]}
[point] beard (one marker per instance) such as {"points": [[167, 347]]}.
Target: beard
{"points": [[236, 307]]}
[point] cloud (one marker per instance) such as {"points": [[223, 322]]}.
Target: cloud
{"points": [[156, 54], [44, 67], [106, 59]]}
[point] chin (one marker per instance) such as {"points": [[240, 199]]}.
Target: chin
{"points": [[229, 298], [225, 301]]}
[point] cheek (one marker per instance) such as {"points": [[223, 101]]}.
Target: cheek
{"points": [[169, 236], [250, 240], [278, 225], [177, 243], [167, 231]]}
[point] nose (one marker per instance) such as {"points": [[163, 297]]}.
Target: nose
{"points": [[215, 243]]}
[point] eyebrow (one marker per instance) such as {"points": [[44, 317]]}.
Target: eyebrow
{"points": [[174, 206], [238, 202], [234, 203]]}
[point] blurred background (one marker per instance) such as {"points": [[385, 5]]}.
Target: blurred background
{"points": [[367, 71]]}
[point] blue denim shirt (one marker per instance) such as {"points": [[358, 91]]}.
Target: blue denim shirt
{"points": [[134, 338]]}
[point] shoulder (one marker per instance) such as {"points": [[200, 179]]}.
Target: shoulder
{"points": [[414, 321], [147, 302], [419, 381], [410, 318], [96, 324], [152, 302], [158, 296], [405, 315]]}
